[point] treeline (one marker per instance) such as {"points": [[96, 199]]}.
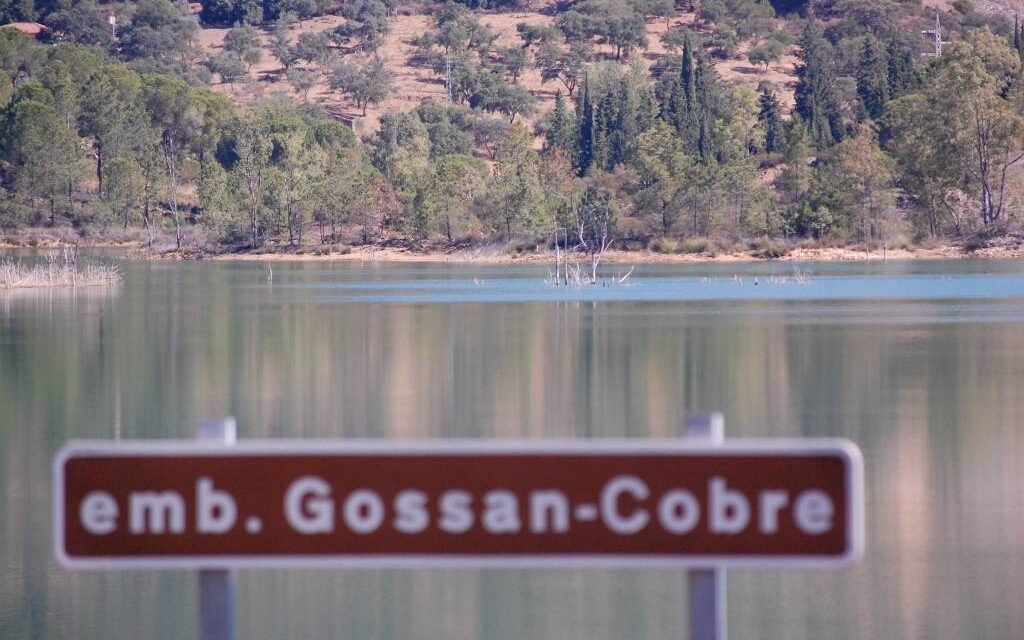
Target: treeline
{"points": [[882, 144]]}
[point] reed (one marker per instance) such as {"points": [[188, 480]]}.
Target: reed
{"points": [[61, 269]]}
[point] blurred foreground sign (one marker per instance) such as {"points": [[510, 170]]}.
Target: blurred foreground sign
{"points": [[480, 504]]}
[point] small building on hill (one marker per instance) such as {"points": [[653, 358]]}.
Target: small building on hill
{"points": [[31, 29]]}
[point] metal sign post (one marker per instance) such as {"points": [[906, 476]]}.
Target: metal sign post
{"points": [[707, 584], [217, 586]]}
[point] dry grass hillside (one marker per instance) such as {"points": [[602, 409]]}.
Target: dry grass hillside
{"points": [[415, 84]]}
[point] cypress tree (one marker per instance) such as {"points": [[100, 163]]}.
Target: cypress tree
{"points": [[560, 130], [872, 79], [693, 103], [816, 102], [902, 72], [585, 157], [770, 117], [605, 118]]}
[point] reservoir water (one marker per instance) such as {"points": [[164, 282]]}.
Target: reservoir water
{"points": [[920, 363]]}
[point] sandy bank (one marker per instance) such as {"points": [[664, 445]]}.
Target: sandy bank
{"points": [[485, 256]]}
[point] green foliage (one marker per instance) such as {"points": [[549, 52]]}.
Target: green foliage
{"points": [[981, 134], [83, 23], [303, 80], [612, 22], [873, 78], [661, 166], [666, 152], [364, 82], [769, 117], [816, 100], [160, 32], [559, 128], [313, 47], [42, 154], [450, 128], [766, 53], [244, 42], [565, 66], [614, 108], [228, 66], [692, 101]]}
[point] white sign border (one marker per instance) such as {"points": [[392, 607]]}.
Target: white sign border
{"points": [[845, 449]]}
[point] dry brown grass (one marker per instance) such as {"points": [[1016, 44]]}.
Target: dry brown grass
{"points": [[61, 269], [416, 84]]}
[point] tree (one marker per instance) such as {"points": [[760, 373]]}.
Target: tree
{"points": [[458, 181], [766, 53], [174, 115], [532, 34], [512, 100], [244, 42], [229, 67], [345, 193], [83, 23], [594, 225], [516, 187], [513, 61], [366, 83], [123, 186], [564, 66], [41, 151], [253, 149], [612, 22], [366, 25], [313, 47], [692, 103], [859, 176], [559, 128], [770, 118], [873, 78], [960, 133], [661, 166], [159, 31], [111, 113], [303, 80], [816, 101], [296, 163], [450, 128], [281, 45], [401, 136], [902, 64]]}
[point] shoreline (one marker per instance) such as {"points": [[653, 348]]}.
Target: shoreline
{"points": [[616, 257], [1010, 248]]}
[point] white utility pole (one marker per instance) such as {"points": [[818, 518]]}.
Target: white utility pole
{"points": [[448, 78]]}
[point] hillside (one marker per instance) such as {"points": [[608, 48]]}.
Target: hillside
{"points": [[416, 83], [681, 127]]}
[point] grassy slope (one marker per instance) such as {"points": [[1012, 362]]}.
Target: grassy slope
{"points": [[415, 84]]}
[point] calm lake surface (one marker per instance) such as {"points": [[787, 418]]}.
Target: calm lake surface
{"points": [[921, 364]]}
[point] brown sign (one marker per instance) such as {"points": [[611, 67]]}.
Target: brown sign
{"points": [[649, 504]]}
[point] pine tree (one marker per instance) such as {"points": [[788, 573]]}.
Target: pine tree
{"points": [[872, 79], [585, 156], [560, 129], [693, 103], [605, 118], [816, 102], [770, 118], [902, 67]]}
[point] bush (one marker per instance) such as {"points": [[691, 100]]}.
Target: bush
{"points": [[769, 250], [663, 245], [695, 245]]}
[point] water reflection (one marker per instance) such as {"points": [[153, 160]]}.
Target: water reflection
{"points": [[930, 389]]}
